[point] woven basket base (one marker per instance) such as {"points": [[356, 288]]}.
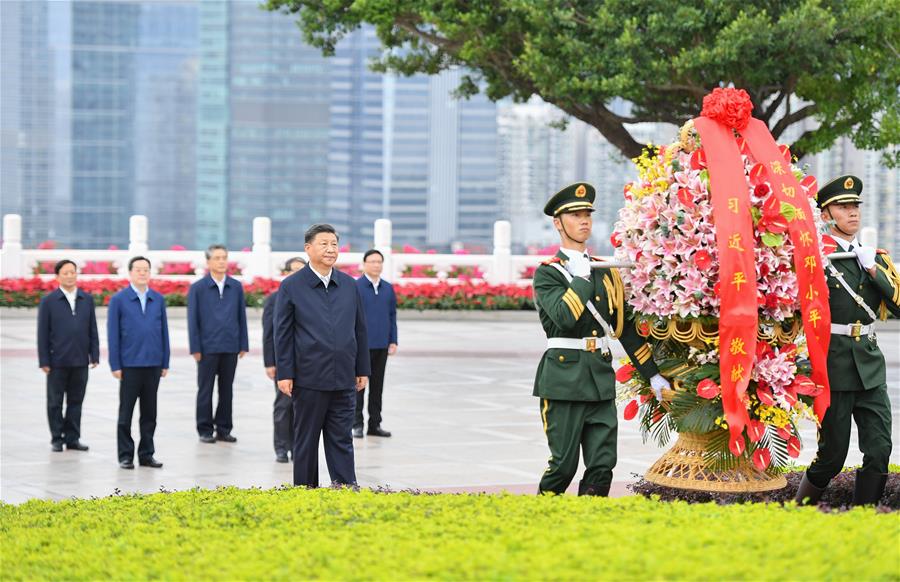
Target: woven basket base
{"points": [[683, 467]]}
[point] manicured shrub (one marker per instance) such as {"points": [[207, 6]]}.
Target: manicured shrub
{"points": [[232, 534]]}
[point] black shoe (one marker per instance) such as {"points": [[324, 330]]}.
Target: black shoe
{"points": [[807, 493], [77, 446], [126, 465], [378, 431], [281, 457], [225, 438], [593, 489], [207, 438], [56, 447], [150, 462], [869, 487], [357, 432]]}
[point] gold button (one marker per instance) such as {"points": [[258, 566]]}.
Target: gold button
{"points": [[857, 339], [563, 358], [596, 298], [594, 332]]}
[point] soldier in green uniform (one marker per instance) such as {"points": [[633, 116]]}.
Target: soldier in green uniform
{"points": [[858, 288], [580, 309]]}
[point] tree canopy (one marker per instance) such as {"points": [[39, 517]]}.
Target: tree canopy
{"points": [[831, 65]]}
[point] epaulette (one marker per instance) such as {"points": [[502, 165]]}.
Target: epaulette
{"points": [[881, 252], [551, 260]]}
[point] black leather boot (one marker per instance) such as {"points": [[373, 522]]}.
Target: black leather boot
{"points": [[869, 487], [593, 489], [807, 493]]}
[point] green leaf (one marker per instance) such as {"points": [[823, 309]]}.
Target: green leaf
{"points": [[788, 211], [772, 240]]}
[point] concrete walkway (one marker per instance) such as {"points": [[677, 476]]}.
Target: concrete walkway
{"points": [[457, 397]]}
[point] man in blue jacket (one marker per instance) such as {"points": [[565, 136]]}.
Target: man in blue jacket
{"points": [[138, 335], [380, 304], [282, 409], [67, 344], [321, 358], [217, 330]]}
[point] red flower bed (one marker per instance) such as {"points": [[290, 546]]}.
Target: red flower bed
{"points": [[28, 293]]}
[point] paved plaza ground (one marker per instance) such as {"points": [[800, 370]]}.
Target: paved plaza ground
{"points": [[457, 398]]}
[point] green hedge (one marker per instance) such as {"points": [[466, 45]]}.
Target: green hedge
{"points": [[232, 534]]}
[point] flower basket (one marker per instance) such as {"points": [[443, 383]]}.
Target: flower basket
{"points": [[728, 287]]}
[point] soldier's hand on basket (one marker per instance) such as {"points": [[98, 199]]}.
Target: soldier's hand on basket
{"points": [[658, 384]]}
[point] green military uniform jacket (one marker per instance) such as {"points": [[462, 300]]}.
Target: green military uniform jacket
{"points": [[578, 375], [857, 363]]}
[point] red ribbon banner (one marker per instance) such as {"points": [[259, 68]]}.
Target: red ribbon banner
{"points": [[738, 316], [807, 258]]}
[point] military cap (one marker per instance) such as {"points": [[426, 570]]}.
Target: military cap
{"points": [[840, 191], [578, 196]]}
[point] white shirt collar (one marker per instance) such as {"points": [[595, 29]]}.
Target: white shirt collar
{"points": [[70, 296], [375, 282], [573, 254], [845, 244], [325, 278]]}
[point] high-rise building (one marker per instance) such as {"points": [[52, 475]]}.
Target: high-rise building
{"points": [[442, 165], [262, 127], [27, 118], [165, 113]]}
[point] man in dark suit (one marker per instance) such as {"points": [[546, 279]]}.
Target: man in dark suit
{"points": [[217, 330], [67, 344], [380, 304], [138, 335], [282, 410], [321, 357]]}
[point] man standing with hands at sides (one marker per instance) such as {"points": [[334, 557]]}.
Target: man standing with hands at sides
{"points": [[67, 344], [322, 358], [581, 309], [282, 409], [380, 304], [217, 333], [138, 336]]}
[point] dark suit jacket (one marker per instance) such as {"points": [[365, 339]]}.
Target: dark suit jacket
{"points": [[320, 334], [66, 340], [268, 321]]}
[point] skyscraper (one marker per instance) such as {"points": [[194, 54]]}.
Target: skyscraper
{"points": [[262, 128], [27, 118]]}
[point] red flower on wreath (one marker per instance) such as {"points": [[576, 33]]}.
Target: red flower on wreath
{"points": [[730, 107]]}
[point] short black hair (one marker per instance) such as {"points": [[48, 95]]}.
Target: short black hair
{"points": [[136, 259], [216, 247], [58, 266], [315, 229], [291, 261], [371, 252]]}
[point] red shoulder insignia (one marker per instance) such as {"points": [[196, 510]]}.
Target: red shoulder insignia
{"points": [[829, 243], [551, 260], [881, 252]]}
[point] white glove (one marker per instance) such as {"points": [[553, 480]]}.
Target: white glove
{"points": [[865, 256], [658, 384], [579, 267]]}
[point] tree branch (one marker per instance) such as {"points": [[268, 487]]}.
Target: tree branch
{"points": [[792, 118]]}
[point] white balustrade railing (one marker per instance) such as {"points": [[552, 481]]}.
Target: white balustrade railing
{"points": [[501, 267]]}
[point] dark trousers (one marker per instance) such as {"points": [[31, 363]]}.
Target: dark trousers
{"points": [[378, 358], [591, 427], [331, 413], [283, 419], [209, 367], [68, 384], [872, 411], [137, 383]]}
